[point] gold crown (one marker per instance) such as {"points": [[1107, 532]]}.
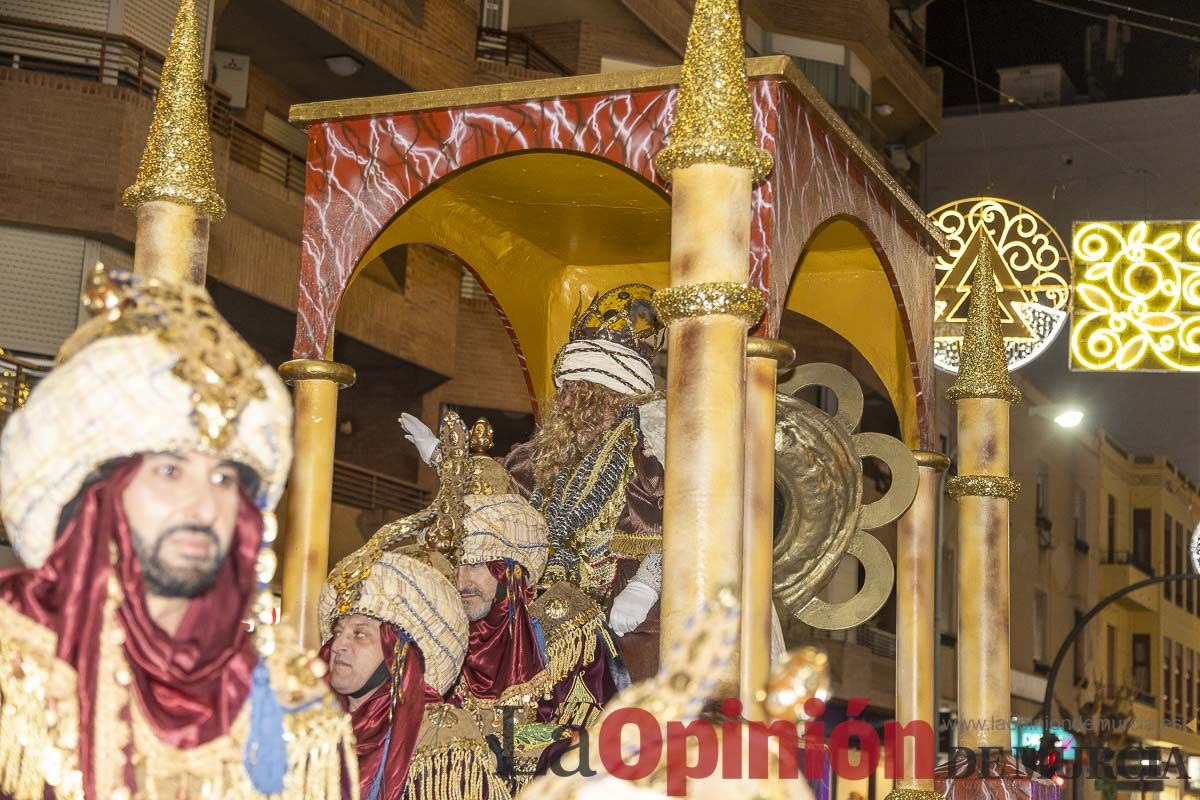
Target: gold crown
{"points": [[463, 470], [218, 365], [623, 315]]}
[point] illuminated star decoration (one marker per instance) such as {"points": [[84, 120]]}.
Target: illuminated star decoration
{"points": [[1031, 267], [1137, 297]]}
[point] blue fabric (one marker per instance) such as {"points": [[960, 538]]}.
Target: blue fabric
{"points": [[377, 784], [266, 751], [540, 635]]}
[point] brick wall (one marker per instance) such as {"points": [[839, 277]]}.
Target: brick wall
{"points": [[266, 92], [668, 20], [69, 148], [581, 45], [597, 41], [487, 72], [436, 51], [486, 372], [559, 39]]}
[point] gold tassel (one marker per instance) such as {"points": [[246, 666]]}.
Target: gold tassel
{"points": [[461, 770]]}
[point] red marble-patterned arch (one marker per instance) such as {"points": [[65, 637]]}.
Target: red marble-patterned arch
{"points": [[363, 172]]}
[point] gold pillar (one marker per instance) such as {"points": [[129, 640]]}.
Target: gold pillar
{"points": [[711, 162], [310, 490], [764, 357], [172, 241], [983, 394], [916, 640]]}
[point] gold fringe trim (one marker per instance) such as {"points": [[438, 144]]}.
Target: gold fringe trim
{"points": [[574, 640], [319, 741], [635, 545], [461, 770], [39, 713]]}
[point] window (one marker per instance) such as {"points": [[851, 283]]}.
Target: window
{"points": [[834, 83], [1188, 683], [1110, 674], [470, 289], [493, 14], [1180, 560], [1178, 683], [1039, 626], [1141, 539], [1041, 492], [1182, 564], [1141, 662], [1080, 651], [1112, 529], [1167, 683], [1080, 521], [1167, 552]]}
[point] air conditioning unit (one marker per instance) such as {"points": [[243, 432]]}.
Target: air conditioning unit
{"points": [[898, 155]]}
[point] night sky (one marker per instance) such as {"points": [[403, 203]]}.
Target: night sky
{"points": [[1009, 33]]}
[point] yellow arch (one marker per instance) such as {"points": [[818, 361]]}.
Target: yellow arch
{"points": [[540, 230], [843, 282]]}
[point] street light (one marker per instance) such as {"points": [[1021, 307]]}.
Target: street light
{"points": [[1064, 415], [1070, 418]]}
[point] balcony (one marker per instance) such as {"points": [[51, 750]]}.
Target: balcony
{"points": [[891, 47], [267, 157], [857, 673], [78, 103], [909, 34], [515, 50], [94, 56], [363, 489], [1121, 569]]}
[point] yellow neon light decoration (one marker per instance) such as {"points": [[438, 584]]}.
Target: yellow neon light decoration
{"points": [[1031, 268], [1137, 297]]}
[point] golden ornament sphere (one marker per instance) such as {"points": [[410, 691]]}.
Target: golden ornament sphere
{"points": [[801, 676]]}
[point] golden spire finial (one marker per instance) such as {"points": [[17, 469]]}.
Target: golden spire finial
{"points": [[982, 363], [177, 164], [714, 123]]}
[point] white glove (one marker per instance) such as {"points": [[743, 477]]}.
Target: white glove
{"points": [[419, 434], [631, 607]]}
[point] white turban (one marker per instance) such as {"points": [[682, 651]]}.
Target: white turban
{"points": [[611, 365]]}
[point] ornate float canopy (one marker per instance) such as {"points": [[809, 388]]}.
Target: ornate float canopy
{"points": [[547, 191]]}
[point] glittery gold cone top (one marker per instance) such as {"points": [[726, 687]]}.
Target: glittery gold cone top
{"points": [[177, 164], [982, 365], [714, 123]]}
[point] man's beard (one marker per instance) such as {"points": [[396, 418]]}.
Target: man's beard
{"points": [[167, 581]]}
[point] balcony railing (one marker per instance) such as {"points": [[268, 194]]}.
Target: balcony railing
{"points": [[1126, 557], [17, 378], [515, 49], [98, 56], [361, 488], [267, 157], [879, 642], [910, 35]]}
